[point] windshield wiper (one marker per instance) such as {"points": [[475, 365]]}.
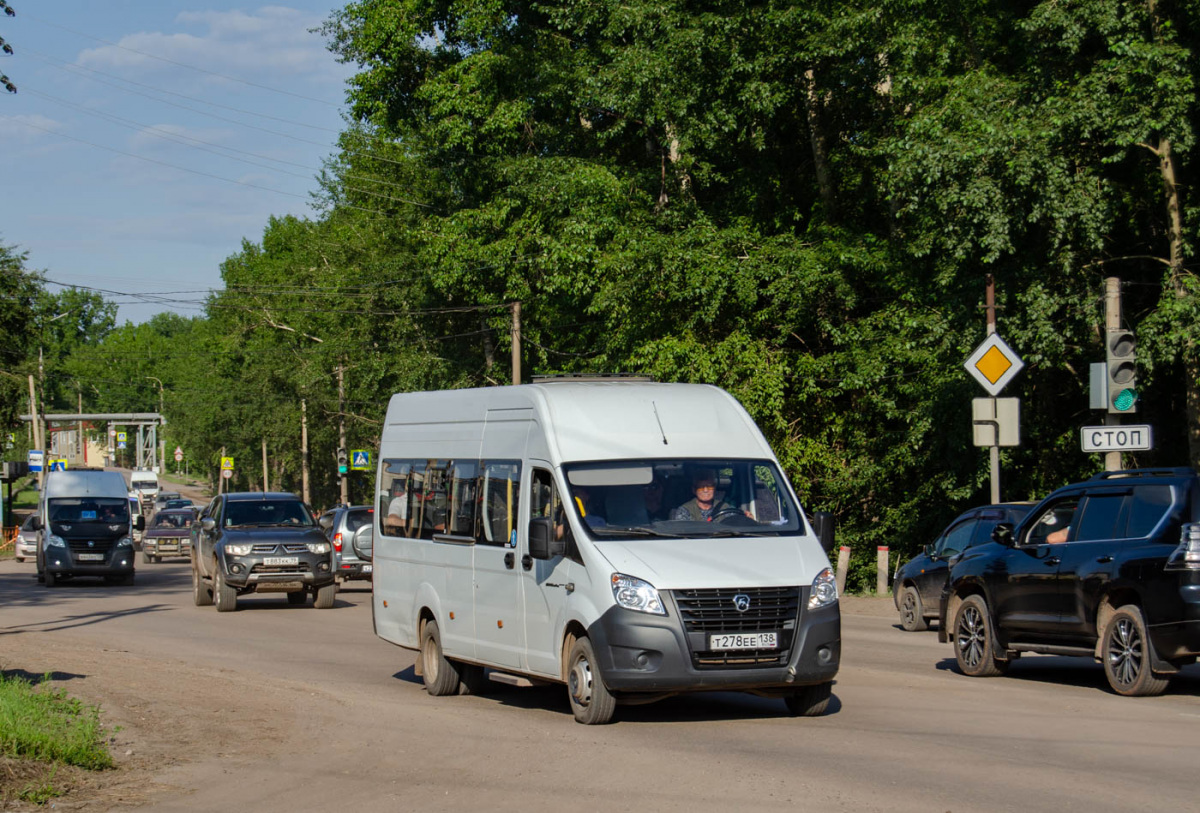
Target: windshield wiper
{"points": [[624, 529]]}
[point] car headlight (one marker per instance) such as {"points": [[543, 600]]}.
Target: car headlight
{"points": [[635, 594], [318, 547], [239, 550], [55, 541], [824, 590], [125, 542]]}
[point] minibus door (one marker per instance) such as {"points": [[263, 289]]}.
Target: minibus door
{"points": [[499, 631], [545, 583]]}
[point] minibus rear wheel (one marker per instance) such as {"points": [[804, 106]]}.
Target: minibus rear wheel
{"points": [[441, 676], [591, 701]]}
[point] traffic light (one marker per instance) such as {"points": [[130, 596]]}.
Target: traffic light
{"points": [[343, 461], [1122, 370]]}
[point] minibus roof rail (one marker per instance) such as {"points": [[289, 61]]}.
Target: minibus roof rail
{"points": [[550, 378]]}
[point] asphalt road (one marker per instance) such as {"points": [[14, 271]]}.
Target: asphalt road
{"points": [[278, 708]]}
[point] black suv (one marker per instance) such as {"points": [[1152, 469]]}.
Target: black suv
{"points": [[917, 588], [265, 543], [1108, 568]]}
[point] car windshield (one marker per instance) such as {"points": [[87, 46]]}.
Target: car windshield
{"points": [[172, 521], [690, 498], [260, 513], [90, 509]]}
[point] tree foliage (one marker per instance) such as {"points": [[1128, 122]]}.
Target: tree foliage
{"points": [[799, 203]]}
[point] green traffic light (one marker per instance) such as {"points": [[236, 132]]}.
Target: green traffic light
{"points": [[1124, 400]]}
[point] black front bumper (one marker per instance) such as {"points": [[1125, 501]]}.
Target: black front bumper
{"points": [[66, 562], [251, 573], [642, 653]]}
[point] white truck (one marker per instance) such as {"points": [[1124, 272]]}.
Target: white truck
{"points": [[631, 540]]}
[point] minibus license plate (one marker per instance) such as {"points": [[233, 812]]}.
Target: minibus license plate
{"points": [[744, 640], [91, 557], [281, 560]]}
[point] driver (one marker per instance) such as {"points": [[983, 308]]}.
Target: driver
{"points": [[704, 505]]}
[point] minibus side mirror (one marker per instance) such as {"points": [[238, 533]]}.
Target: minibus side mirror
{"points": [[364, 543], [37, 523], [822, 522], [139, 524], [1003, 534], [542, 544]]}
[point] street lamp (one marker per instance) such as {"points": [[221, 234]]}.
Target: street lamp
{"points": [[162, 441]]}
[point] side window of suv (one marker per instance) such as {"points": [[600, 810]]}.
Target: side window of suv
{"points": [[1102, 518], [957, 539], [1053, 524], [1148, 506]]}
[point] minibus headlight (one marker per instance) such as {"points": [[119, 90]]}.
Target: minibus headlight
{"points": [[55, 541], [824, 590], [239, 550], [125, 542], [635, 594], [318, 547]]}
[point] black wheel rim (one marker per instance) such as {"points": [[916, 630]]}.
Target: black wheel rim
{"points": [[972, 637], [1125, 651], [909, 608]]}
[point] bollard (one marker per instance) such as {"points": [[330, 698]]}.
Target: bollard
{"points": [[881, 565], [842, 566]]}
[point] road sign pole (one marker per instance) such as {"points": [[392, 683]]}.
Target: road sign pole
{"points": [[1112, 321]]}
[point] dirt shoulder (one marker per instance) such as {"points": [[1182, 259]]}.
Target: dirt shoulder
{"points": [[158, 715]]}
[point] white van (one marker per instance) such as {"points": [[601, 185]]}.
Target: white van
{"points": [[84, 527], [632, 540], [145, 483]]}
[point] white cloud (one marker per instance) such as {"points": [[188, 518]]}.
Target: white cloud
{"points": [[273, 40], [27, 128]]}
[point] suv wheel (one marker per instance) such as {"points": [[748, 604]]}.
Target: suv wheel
{"points": [[912, 612], [323, 596], [441, 676], [974, 640], [202, 596], [1126, 655], [226, 596]]}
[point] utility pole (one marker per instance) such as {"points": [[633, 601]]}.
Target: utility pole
{"points": [[37, 424], [1112, 321], [82, 443], [221, 476], [265, 466], [994, 449], [516, 343], [162, 441], [304, 452], [343, 484]]}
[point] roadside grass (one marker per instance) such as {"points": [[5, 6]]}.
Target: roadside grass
{"points": [[42, 725]]}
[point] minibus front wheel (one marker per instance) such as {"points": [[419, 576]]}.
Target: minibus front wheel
{"points": [[591, 701]]}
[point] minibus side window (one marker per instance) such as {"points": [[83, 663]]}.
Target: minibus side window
{"points": [[499, 501], [463, 482], [546, 503], [430, 498], [399, 497]]}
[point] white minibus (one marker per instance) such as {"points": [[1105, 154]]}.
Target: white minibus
{"points": [[629, 539]]}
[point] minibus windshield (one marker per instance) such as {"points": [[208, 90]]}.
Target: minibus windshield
{"points": [[633, 499], [90, 509]]}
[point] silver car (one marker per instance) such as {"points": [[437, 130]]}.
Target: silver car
{"points": [[339, 526], [26, 540]]}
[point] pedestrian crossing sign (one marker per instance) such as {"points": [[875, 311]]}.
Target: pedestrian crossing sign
{"points": [[360, 459]]}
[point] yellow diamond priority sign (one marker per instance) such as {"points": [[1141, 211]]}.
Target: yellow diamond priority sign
{"points": [[994, 364]]}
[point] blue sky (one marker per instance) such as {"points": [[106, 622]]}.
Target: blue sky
{"points": [[148, 138]]}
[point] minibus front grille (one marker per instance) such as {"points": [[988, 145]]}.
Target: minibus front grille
{"points": [[767, 609]]}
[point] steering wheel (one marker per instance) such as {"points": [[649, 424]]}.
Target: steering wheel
{"points": [[728, 511]]}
